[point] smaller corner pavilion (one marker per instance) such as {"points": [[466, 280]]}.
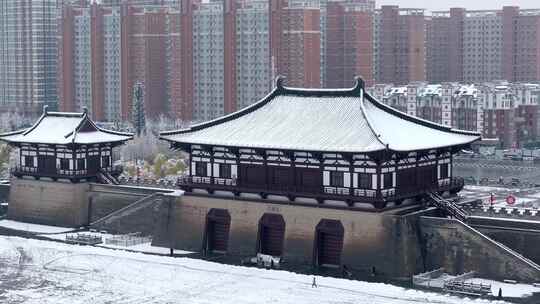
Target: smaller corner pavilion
{"points": [[66, 146], [324, 144]]}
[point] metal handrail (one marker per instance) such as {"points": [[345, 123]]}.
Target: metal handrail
{"points": [[449, 206]]}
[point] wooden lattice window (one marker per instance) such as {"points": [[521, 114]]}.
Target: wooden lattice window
{"points": [[336, 179], [200, 169], [225, 170], [364, 181]]}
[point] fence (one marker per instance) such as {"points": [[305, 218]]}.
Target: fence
{"points": [[84, 238], [127, 240], [467, 288]]}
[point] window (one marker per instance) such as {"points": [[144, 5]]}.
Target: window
{"points": [[387, 180], [225, 170], [444, 171], [200, 169], [81, 164], [364, 181], [29, 161], [105, 161], [64, 164], [336, 179]]}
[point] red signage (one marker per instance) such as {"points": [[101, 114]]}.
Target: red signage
{"points": [[510, 200]]}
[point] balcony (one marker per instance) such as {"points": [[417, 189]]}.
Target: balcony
{"points": [[19, 171], [350, 195]]}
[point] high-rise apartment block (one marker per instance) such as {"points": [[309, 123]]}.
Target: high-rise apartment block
{"points": [[28, 62], [89, 60], [348, 43], [300, 46], [105, 50], [227, 50], [444, 36], [199, 60], [150, 47], [478, 46], [399, 49], [253, 54]]}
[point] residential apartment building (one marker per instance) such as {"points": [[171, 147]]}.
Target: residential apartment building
{"points": [[253, 59], [150, 35], [208, 60], [399, 48], [235, 48], [226, 46], [480, 46], [502, 110], [199, 60], [28, 60], [106, 49], [89, 60], [346, 39], [300, 46], [467, 109], [348, 43], [444, 42]]}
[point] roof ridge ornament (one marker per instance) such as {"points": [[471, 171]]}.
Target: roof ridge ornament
{"points": [[85, 110], [45, 109], [360, 84], [278, 82]]}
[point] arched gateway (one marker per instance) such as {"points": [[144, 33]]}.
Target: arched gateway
{"points": [[324, 144]]}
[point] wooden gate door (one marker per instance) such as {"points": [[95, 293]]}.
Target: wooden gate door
{"points": [[329, 243], [217, 230], [271, 234], [218, 223]]}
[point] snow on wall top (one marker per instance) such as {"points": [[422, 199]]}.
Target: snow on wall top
{"points": [[343, 120], [63, 128]]}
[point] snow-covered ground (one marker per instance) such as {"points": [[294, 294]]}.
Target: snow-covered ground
{"points": [[144, 247], [34, 228], [524, 197], [508, 290], [43, 272]]}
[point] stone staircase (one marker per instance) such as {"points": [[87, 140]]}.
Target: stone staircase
{"points": [[135, 217]]}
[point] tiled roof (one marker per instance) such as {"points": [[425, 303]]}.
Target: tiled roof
{"points": [[342, 120], [63, 128]]}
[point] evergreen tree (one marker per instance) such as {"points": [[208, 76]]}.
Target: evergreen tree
{"points": [[138, 114]]}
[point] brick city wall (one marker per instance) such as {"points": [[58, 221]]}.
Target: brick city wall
{"points": [[74, 205], [105, 199], [459, 249], [381, 240], [522, 241], [141, 217], [49, 203]]}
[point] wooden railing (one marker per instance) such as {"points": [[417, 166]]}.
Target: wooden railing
{"points": [[58, 173], [325, 192], [20, 170]]}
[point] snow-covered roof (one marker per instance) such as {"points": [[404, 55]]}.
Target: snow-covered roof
{"points": [[467, 90], [397, 91], [62, 128], [431, 89], [342, 120]]}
